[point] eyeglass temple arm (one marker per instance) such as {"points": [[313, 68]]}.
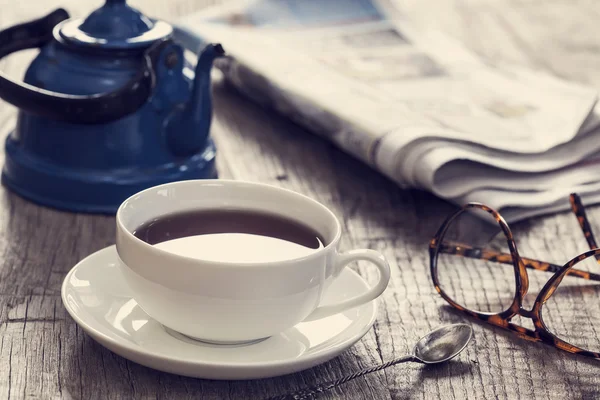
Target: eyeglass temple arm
{"points": [[579, 212], [462, 250]]}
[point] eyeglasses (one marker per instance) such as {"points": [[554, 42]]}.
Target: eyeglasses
{"points": [[479, 281]]}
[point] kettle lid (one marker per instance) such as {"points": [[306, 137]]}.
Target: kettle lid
{"points": [[114, 26]]}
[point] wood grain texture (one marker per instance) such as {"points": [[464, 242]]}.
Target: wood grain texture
{"points": [[43, 354]]}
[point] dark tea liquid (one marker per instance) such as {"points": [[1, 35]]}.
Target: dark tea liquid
{"points": [[231, 235]]}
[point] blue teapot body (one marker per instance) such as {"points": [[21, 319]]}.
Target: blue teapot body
{"points": [[106, 109]]}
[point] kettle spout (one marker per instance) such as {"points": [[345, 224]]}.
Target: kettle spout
{"points": [[187, 134]]}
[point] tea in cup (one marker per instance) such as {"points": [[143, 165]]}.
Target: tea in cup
{"points": [[226, 261]]}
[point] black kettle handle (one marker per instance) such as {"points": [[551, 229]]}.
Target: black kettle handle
{"points": [[80, 109]]}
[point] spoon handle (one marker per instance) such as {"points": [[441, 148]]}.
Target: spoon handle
{"points": [[311, 391]]}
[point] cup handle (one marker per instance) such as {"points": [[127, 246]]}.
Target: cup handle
{"points": [[342, 261]]}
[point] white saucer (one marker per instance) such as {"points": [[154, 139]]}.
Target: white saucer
{"points": [[99, 300]]}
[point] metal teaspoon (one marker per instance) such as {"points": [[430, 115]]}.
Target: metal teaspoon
{"points": [[439, 345]]}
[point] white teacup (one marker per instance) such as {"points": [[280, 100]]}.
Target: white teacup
{"points": [[225, 302]]}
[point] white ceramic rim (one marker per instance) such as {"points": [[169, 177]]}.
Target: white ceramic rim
{"points": [[99, 336], [292, 261]]}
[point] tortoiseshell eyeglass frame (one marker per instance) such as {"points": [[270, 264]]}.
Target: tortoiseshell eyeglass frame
{"points": [[520, 264]]}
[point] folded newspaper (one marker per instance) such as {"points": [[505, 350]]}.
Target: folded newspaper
{"points": [[412, 103]]}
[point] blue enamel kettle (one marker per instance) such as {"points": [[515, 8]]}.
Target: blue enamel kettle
{"points": [[106, 109]]}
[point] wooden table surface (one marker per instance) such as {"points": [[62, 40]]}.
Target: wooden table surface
{"points": [[45, 355]]}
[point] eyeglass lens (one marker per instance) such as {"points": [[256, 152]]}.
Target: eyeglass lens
{"points": [[466, 277]]}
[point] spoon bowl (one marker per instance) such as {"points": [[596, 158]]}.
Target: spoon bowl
{"points": [[443, 343]]}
